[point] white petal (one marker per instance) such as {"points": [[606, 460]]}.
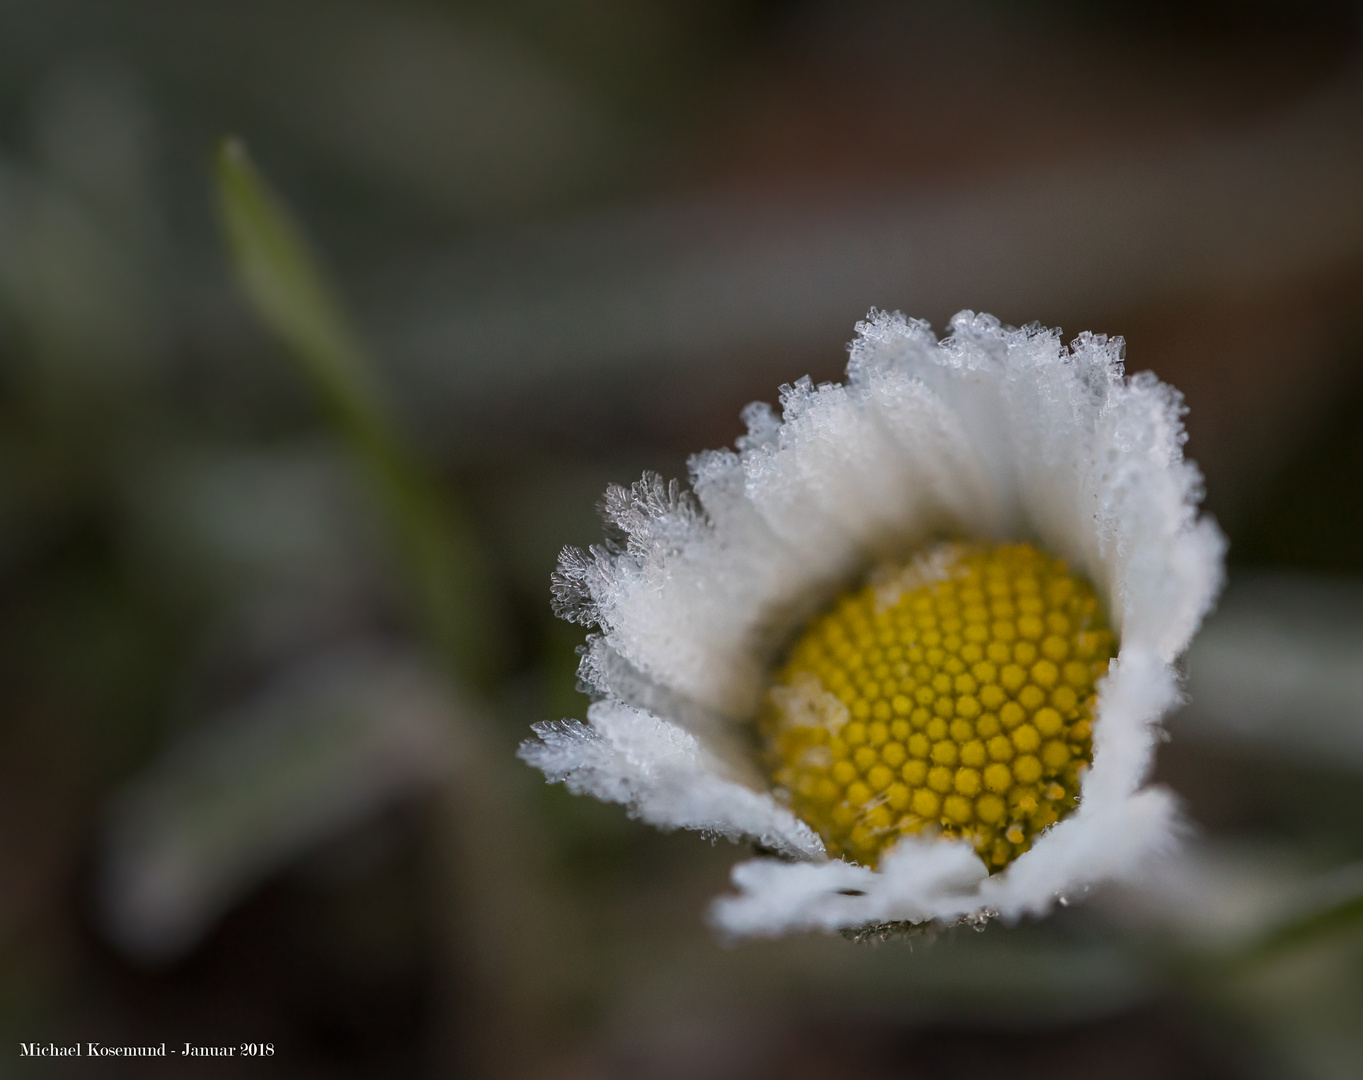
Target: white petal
{"points": [[1113, 841], [663, 776], [918, 880]]}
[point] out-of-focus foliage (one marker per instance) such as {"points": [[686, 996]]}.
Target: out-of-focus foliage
{"points": [[448, 570]]}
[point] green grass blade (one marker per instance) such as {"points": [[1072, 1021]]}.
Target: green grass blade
{"points": [[287, 289], [282, 280]]}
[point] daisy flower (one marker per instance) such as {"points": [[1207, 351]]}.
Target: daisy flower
{"points": [[913, 638]]}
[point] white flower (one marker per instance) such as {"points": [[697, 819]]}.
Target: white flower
{"points": [[993, 434]]}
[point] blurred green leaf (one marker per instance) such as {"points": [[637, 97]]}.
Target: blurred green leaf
{"points": [[283, 280], [1340, 919]]}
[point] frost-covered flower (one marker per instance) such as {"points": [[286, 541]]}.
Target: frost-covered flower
{"points": [[954, 726]]}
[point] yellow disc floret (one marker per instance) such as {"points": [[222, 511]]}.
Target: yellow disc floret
{"points": [[957, 700]]}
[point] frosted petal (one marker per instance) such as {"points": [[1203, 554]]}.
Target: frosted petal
{"points": [[917, 881], [663, 776]]}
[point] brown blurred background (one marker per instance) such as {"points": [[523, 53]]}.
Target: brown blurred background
{"points": [[240, 802]]}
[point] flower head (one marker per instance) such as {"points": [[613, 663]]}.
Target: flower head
{"points": [[875, 638]]}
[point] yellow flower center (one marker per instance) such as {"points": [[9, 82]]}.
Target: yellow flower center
{"points": [[953, 698]]}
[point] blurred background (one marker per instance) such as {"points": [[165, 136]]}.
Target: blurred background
{"points": [[243, 799]]}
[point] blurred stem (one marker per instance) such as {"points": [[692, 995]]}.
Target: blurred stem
{"points": [[448, 571]]}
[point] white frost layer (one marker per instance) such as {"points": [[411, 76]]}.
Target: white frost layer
{"points": [[663, 776], [993, 433]]}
